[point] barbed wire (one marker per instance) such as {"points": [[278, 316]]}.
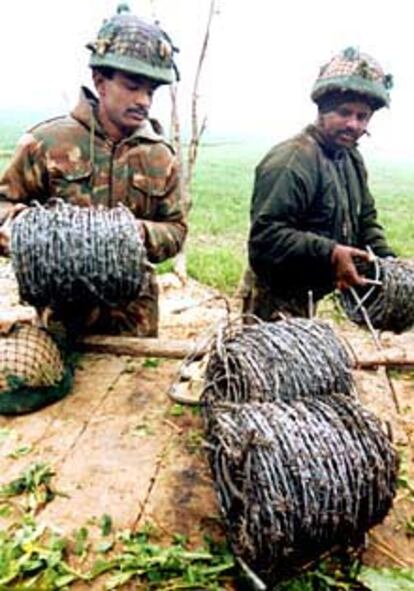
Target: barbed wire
{"points": [[388, 306], [294, 479], [276, 361], [300, 467], [64, 254]]}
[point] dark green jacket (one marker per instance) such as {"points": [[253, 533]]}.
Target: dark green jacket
{"points": [[306, 199]]}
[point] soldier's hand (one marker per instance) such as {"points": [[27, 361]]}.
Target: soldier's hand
{"points": [[141, 230], [6, 226], [346, 273]]}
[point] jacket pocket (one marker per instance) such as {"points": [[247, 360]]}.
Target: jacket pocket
{"points": [[145, 192], [71, 181]]}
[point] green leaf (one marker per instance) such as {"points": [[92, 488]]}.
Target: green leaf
{"points": [[409, 527], [387, 579], [5, 510], [63, 581], [102, 566], [104, 546], [180, 539], [81, 537], [151, 362], [106, 524], [118, 580], [177, 410], [21, 451]]}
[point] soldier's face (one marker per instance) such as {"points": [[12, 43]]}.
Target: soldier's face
{"points": [[343, 126], [124, 102]]}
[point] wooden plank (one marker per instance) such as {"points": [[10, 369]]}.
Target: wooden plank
{"points": [[59, 424], [112, 463], [183, 498], [51, 433]]}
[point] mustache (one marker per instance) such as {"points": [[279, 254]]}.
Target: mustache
{"points": [[141, 111], [349, 132], [354, 134]]}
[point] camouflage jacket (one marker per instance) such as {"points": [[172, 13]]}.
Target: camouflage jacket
{"points": [[71, 157], [306, 199]]}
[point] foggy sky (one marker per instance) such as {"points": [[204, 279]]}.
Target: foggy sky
{"points": [[262, 62]]}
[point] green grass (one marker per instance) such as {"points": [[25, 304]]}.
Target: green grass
{"points": [[393, 188], [221, 192], [219, 218]]}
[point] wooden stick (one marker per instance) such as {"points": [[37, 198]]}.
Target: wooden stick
{"points": [[180, 349], [385, 549], [390, 357], [143, 347]]}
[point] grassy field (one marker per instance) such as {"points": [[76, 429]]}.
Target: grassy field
{"points": [[219, 218]]}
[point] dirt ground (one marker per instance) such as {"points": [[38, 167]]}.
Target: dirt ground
{"points": [[120, 446]]}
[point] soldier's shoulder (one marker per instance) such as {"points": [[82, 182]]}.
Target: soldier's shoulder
{"points": [[55, 126], [296, 149]]}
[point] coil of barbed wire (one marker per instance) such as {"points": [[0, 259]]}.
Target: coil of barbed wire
{"points": [[276, 361], [63, 254], [294, 479], [388, 305]]}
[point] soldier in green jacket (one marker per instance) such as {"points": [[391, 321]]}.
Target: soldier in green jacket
{"points": [[107, 151], [312, 214]]}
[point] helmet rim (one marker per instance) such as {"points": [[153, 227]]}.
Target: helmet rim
{"points": [[371, 89], [132, 65]]}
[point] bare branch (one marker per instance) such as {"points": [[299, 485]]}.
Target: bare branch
{"points": [[197, 132]]}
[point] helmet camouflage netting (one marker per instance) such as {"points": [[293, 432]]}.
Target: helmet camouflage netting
{"points": [[126, 42], [32, 370], [353, 72]]}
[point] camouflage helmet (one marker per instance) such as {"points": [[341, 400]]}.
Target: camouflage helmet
{"points": [[32, 370], [127, 43], [353, 72]]}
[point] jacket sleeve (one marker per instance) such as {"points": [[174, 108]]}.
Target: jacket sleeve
{"points": [[166, 231], [24, 178], [283, 192], [371, 233]]}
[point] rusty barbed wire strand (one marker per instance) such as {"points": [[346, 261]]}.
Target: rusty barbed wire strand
{"points": [[294, 479], [389, 306], [62, 253]]}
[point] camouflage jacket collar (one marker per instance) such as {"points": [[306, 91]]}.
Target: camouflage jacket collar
{"points": [[85, 112]]}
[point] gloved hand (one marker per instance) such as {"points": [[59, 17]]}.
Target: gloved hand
{"points": [[6, 226], [346, 273]]}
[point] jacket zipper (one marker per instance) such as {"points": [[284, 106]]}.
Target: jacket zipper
{"points": [[111, 171]]}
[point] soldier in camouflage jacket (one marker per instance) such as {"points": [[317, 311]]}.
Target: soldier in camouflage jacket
{"points": [[312, 213], [108, 151]]}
